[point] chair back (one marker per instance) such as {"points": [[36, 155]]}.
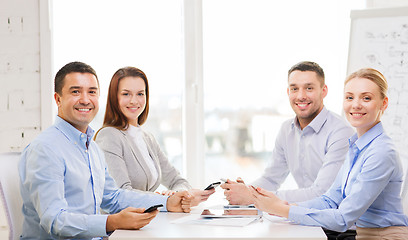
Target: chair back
{"points": [[404, 193], [10, 193]]}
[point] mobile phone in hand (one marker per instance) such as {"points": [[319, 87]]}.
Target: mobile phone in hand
{"points": [[153, 208], [213, 185]]}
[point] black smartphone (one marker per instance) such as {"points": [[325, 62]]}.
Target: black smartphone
{"points": [[152, 208], [213, 185]]}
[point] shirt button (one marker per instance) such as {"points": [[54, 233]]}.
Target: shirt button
{"points": [[86, 151]]}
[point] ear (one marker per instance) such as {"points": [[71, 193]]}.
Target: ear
{"points": [[325, 90], [287, 91], [57, 98], [384, 104]]}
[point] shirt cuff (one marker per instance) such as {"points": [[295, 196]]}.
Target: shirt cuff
{"points": [[97, 225], [296, 214]]}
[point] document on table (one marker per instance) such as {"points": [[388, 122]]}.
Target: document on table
{"points": [[233, 222]]}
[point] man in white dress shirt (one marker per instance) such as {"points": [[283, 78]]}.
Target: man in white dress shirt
{"points": [[312, 146]]}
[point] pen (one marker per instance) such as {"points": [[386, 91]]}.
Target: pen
{"points": [[239, 206]]}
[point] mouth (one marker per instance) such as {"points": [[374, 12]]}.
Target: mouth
{"points": [[84, 110], [357, 115], [133, 108], [302, 105]]}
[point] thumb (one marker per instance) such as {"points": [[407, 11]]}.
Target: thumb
{"points": [[133, 209], [263, 191], [240, 180]]}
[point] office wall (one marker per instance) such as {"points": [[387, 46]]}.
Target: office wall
{"points": [[25, 75], [386, 3]]}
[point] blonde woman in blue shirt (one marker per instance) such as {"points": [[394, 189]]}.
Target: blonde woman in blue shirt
{"points": [[367, 189]]}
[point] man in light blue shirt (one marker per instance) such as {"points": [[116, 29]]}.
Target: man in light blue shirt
{"points": [[64, 179]]}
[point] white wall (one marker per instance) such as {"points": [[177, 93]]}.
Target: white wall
{"points": [[25, 75], [386, 3], [25, 63]]}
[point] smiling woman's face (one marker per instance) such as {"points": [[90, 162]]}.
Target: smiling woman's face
{"points": [[363, 104], [132, 98]]}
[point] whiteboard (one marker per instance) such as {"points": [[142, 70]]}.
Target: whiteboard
{"points": [[379, 39]]}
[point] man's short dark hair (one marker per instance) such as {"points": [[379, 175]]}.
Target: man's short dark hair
{"points": [[309, 66], [70, 68]]}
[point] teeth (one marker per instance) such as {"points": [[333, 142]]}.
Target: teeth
{"points": [[357, 114], [84, 109], [302, 104]]}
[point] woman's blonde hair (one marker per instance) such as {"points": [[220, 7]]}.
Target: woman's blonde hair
{"points": [[373, 75]]}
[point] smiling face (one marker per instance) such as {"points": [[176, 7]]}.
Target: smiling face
{"points": [[305, 95], [363, 104], [132, 98], [78, 102]]}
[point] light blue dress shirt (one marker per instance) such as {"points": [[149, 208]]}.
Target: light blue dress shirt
{"points": [[65, 184], [313, 156], [366, 191]]}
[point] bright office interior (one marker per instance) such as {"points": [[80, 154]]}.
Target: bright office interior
{"points": [[248, 46]]}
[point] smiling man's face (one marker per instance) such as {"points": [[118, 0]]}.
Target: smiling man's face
{"points": [[79, 99], [305, 95]]}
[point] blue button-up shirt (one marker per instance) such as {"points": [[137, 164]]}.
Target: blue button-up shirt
{"points": [[65, 184], [366, 191]]}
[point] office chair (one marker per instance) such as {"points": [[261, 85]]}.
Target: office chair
{"points": [[404, 194], [10, 193]]}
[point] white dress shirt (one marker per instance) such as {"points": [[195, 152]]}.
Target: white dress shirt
{"points": [[313, 156], [137, 137]]}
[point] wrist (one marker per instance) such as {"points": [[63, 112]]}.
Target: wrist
{"points": [[111, 223]]}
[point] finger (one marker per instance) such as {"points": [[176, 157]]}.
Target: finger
{"points": [[186, 208], [263, 191], [240, 180], [133, 209]]}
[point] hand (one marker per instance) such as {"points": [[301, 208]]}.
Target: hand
{"points": [[200, 195], [269, 202], [179, 202], [129, 218], [237, 193]]}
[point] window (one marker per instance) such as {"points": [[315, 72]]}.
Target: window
{"points": [[248, 48]]}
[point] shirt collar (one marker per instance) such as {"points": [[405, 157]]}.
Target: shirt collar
{"points": [[71, 132], [367, 137], [317, 123]]}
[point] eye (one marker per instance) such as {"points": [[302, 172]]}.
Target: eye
{"points": [[125, 94], [309, 88], [366, 99], [75, 91], [293, 89], [349, 98], [140, 94]]}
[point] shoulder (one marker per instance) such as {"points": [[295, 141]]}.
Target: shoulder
{"points": [[108, 132], [336, 119], [382, 153], [336, 123], [383, 147]]}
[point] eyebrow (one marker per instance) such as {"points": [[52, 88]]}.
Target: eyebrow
{"points": [[306, 84], [127, 90], [79, 87]]}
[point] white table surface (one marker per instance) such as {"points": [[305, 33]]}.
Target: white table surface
{"points": [[268, 228]]}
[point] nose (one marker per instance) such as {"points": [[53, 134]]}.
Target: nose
{"points": [[85, 99], [301, 94], [133, 99], [356, 104]]}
